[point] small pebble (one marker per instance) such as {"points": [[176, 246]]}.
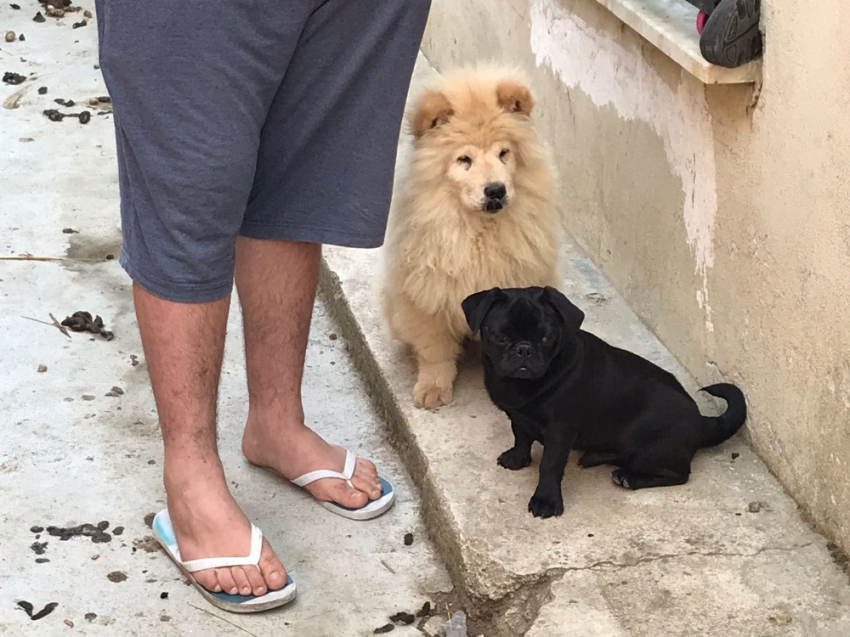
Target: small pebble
{"points": [[116, 577], [754, 507], [42, 369], [82, 23], [22, 38], [70, 231], [333, 336], [36, 529], [90, 617], [88, 397], [164, 618], [16, 7], [408, 539], [41, 560], [10, 36], [118, 530], [425, 611], [38, 17], [85, 117], [69, 623], [735, 455], [386, 628], [163, 595], [42, 90], [87, 14]]}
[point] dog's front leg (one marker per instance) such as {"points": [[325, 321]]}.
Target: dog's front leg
{"points": [[518, 456], [436, 356], [547, 500]]}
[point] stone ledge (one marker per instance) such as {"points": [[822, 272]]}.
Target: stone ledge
{"points": [[693, 555], [670, 25], [510, 568]]}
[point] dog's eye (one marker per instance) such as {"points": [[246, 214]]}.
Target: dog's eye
{"points": [[499, 339], [504, 153], [545, 339], [465, 160]]}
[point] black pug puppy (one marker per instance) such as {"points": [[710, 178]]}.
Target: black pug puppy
{"points": [[569, 389]]}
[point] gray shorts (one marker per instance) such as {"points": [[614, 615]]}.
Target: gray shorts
{"points": [[273, 119]]}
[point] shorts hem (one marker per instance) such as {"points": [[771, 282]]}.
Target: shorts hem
{"points": [[310, 234], [174, 291]]}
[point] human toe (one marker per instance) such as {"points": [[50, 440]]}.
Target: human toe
{"points": [[271, 570]]}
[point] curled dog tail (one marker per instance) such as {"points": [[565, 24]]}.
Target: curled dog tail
{"points": [[720, 428]]}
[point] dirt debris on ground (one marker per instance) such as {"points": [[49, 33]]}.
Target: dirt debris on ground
{"points": [[38, 547], [10, 77], [44, 612], [97, 532], [10, 36], [83, 322], [148, 544], [117, 577], [403, 618]]}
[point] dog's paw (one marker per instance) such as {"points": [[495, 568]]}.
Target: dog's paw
{"points": [[621, 478], [514, 459], [427, 395], [545, 506]]}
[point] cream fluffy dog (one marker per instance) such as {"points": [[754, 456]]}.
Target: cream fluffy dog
{"points": [[475, 210]]}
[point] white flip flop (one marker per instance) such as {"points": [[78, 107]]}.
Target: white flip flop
{"points": [[370, 510], [164, 533]]}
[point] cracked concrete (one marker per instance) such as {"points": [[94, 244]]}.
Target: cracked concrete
{"points": [[687, 560]]}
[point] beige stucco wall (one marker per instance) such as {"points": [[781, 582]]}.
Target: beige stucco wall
{"points": [[720, 212]]}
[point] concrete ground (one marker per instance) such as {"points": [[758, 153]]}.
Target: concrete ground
{"points": [[727, 554], [71, 454], [685, 561]]}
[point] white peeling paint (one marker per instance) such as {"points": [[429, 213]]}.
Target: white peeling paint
{"points": [[593, 62]]}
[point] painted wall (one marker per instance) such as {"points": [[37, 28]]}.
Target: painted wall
{"points": [[722, 213]]}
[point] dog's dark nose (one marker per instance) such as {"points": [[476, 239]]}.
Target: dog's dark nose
{"points": [[496, 190], [524, 350]]}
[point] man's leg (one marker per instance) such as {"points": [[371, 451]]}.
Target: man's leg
{"points": [[184, 344], [190, 101], [276, 281], [324, 176]]}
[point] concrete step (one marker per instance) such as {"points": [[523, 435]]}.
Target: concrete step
{"points": [[690, 560]]}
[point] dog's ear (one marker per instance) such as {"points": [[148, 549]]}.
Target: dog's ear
{"points": [[432, 110], [476, 306], [514, 97], [572, 315]]}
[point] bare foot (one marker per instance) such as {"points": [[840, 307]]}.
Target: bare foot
{"points": [[294, 450], [208, 523]]}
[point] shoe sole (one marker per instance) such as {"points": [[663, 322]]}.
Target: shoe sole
{"points": [[731, 36]]}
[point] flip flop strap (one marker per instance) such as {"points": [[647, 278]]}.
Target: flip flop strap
{"points": [[253, 558], [321, 474]]}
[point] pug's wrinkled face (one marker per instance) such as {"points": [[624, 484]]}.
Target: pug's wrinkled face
{"points": [[522, 329]]}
